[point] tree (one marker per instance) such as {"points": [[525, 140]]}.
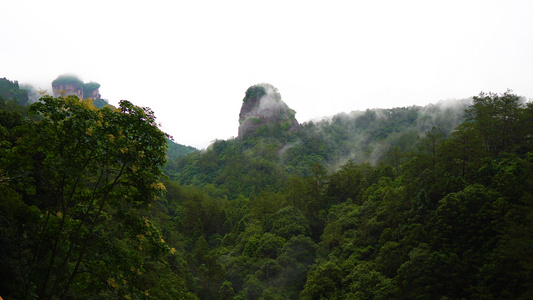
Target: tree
{"points": [[295, 193], [428, 150], [347, 182], [525, 128], [323, 282], [226, 290], [463, 149], [496, 117], [296, 257], [288, 222], [316, 184], [83, 168]]}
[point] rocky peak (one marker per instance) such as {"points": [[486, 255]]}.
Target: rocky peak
{"points": [[66, 85], [262, 106]]}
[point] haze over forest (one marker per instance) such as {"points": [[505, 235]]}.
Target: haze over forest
{"points": [[422, 202], [191, 62], [344, 150]]}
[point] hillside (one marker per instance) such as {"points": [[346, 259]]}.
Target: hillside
{"points": [[277, 152], [431, 202], [175, 150], [10, 91], [403, 203]]}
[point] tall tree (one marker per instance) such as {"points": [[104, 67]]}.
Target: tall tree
{"points": [[463, 150], [428, 149], [496, 117], [83, 167]]}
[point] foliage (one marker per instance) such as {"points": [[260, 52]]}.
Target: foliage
{"points": [[174, 150], [67, 79], [100, 103], [406, 203], [10, 91], [81, 177], [256, 91], [90, 87], [260, 90]]}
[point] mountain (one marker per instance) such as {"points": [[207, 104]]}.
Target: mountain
{"points": [[273, 146], [419, 202], [262, 107]]}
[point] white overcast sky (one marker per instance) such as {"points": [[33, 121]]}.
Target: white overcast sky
{"points": [[192, 61]]}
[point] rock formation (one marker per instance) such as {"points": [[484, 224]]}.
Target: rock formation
{"points": [[66, 85], [262, 106]]}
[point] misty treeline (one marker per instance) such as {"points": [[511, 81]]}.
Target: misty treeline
{"points": [[11, 92], [427, 202]]}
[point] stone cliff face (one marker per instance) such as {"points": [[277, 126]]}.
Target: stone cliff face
{"points": [[95, 94], [67, 89], [262, 106]]}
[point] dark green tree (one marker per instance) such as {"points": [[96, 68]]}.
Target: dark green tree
{"points": [[463, 151], [496, 117], [78, 169]]}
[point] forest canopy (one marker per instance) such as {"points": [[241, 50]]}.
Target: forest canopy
{"points": [[10, 91], [430, 202], [76, 185]]}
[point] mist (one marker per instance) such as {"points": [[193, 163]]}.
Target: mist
{"points": [[369, 136]]}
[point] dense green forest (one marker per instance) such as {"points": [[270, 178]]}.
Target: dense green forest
{"points": [[427, 202], [11, 92], [175, 150]]}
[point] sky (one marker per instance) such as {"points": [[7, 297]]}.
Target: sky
{"points": [[192, 61]]}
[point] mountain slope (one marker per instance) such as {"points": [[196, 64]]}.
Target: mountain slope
{"points": [[266, 153]]}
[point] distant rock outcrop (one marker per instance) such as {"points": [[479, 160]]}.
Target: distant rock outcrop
{"points": [[66, 85], [262, 106]]}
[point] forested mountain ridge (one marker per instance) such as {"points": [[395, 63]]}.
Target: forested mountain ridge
{"points": [[427, 202], [442, 211], [282, 147]]}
